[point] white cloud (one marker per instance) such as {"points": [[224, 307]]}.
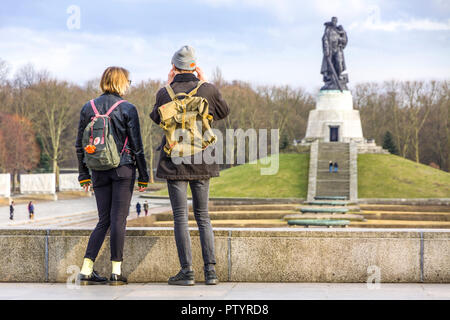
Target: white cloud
{"points": [[79, 56], [373, 21], [283, 10], [289, 11], [346, 9]]}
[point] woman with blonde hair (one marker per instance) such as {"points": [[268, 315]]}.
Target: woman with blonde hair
{"points": [[113, 183]]}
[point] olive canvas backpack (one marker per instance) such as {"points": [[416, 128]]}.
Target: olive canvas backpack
{"points": [[186, 123]]}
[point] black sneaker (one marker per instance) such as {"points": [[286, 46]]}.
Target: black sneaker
{"points": [[117, 280], [91, 279], [211, 277], [183, 279]]}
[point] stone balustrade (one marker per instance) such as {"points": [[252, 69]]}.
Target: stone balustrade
{"points": [[243, 255]]}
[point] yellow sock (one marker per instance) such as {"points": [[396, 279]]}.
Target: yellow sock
{"points": [[88, 267], [116, 267]]}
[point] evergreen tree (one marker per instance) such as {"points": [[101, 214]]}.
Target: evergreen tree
{"points": [[389, 144], [44, 159], [284, 143]]}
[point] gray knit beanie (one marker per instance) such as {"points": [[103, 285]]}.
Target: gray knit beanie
{"points": [[184, 59]]}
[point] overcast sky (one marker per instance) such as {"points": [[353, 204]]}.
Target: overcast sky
{"points": [[263, 42]]}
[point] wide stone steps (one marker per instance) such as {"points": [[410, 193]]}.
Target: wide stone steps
{"points": [[335, 216], [277, 215], [319, 222], [252, 207], [232, 215], [407, 208], [401, 224], [327, 203], [323, 210], [276, 223], [405, 215], [238, 223], [330, 198]]}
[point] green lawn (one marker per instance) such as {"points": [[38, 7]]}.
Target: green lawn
{"points": [[246, 180], [379, 176], [390, 176]]}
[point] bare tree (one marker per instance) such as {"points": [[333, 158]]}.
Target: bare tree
{"points": [[55, 107], [4, 71], [20, 150], [143, 96]]}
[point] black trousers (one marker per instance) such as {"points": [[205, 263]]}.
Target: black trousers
{"points": [[113, 190]]}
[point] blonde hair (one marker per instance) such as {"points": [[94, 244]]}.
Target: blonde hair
{"points": [[115, 80]]}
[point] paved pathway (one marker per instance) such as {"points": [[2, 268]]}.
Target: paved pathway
{"points": [[228, 291], [53, 213]]}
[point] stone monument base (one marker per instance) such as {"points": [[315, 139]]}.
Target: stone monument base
{"points": [[335, 120]]}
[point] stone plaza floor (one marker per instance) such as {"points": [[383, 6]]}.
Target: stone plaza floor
{"points": [[227, 291]]}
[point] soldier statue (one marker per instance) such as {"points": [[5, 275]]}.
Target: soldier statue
{"points": [[334, 41]]}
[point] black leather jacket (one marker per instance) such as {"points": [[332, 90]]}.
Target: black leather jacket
{"points": [[124, 123]]}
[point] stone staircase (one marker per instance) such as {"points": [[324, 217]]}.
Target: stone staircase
{"points": [[326, 211], [335, 183], [263, 215], [233, 214], [404, 216], [322, 212]]}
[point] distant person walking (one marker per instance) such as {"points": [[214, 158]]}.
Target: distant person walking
{"points": [[31, 210], [330, 166], [146, 207], [335, 166], [11, 211], [109, 143], [181, 79], [138, 209]]}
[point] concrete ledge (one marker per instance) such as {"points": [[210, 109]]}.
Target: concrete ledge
{"points": [[242, 254]]}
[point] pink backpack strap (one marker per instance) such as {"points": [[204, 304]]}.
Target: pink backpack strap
{"points": [[114, 106], [124, 145], [94, 107]]}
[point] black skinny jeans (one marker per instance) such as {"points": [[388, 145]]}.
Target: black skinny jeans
{"points": [[178, 201], [113, 190]]}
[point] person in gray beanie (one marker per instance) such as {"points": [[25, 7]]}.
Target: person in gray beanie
{"points": [[181, 78], [184, 59]]}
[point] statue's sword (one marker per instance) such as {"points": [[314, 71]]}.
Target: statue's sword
{"points": [[333, 71]]}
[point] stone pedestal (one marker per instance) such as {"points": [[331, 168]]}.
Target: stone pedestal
{"points": [[334, 119]]}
